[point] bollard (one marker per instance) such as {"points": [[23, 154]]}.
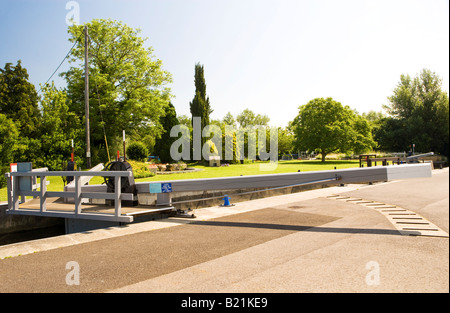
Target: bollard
{"points": [[226, 201]]}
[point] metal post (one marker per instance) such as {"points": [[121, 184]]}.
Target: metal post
{"points": [[43, 196], [77, 196], [124, 152], [86, 96], [9, 191], [15, 193], [117, 197]]}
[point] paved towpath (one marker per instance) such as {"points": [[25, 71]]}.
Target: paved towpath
{"points": [[301, 242]]}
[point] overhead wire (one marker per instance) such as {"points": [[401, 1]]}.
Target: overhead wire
{"points": [[76, 41]]}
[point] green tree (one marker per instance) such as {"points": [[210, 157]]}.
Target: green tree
{"points": [[286, 140], [8, 138], [326, 126], [392, 134], [163, 144], [128, 86], [59, 127], [18, 99], [199, 106], [248, 118], [421, 108], [229, 119]]}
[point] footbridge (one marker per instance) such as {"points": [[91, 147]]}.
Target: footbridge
{"points": [[89, 202]]}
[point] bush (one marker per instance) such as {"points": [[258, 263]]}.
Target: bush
{"points": [[137, 151], [141, 169]]}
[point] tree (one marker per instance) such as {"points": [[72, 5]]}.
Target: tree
{"points": [[229, 119], [326, 126], [248, 118], [285, 141], [128, 86], [8, 138], [421, 108], [59, 127], [200, 106], [163, 144], [18, 99]]}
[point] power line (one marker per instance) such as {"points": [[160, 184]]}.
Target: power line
{"points": [[76, 41]]}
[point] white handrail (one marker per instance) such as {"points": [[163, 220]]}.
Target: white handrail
{"points": [[74, 173], [14, 193]]}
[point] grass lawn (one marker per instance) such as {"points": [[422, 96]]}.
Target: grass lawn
{"points": [[254, 169], [56, 183]]}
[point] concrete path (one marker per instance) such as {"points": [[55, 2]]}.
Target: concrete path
{"points": [[294, 243]]}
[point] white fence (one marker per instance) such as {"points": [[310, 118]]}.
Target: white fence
{"points": [[16, 190]]}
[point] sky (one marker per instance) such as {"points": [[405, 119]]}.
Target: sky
{"points": [[270, 56]]}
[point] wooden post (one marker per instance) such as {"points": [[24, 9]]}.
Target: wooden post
{"points": [[86, 96]]}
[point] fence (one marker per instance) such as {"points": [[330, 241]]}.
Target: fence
{"points": [[15, 189]]}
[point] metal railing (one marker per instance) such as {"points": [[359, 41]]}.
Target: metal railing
{"points": [[15, 191], [320, 181]]}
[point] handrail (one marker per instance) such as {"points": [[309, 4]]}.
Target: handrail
{"points": [[75, 173], [326, 180], [14, 193]]}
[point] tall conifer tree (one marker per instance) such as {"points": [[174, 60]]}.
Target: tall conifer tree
{"points": [[200, 104]]}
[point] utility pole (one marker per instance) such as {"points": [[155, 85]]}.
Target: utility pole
{"points": [[86, 96]]}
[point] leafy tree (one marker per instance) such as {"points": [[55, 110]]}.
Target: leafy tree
{"points": [[59, 127], [285, 141], [248, 118], [18, 99], [128, 86], [421, 108], [229, 150], [185, 120], [229, 119], [392, 134], [326, 126], [163, 144], [8, 138], [362, 135], [373, 116]]}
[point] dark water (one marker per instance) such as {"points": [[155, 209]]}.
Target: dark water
{"points": [[10, 238]]}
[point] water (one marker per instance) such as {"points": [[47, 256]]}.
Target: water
{"points": [[27, 235]]}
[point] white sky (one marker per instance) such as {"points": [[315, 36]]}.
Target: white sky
{"points": [[270, 56]]}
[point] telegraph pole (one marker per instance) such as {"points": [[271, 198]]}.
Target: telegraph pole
{"points": [[86, 96]]}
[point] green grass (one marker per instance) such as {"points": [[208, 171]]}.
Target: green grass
{"points": [[255, 169], [56, 183]]}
